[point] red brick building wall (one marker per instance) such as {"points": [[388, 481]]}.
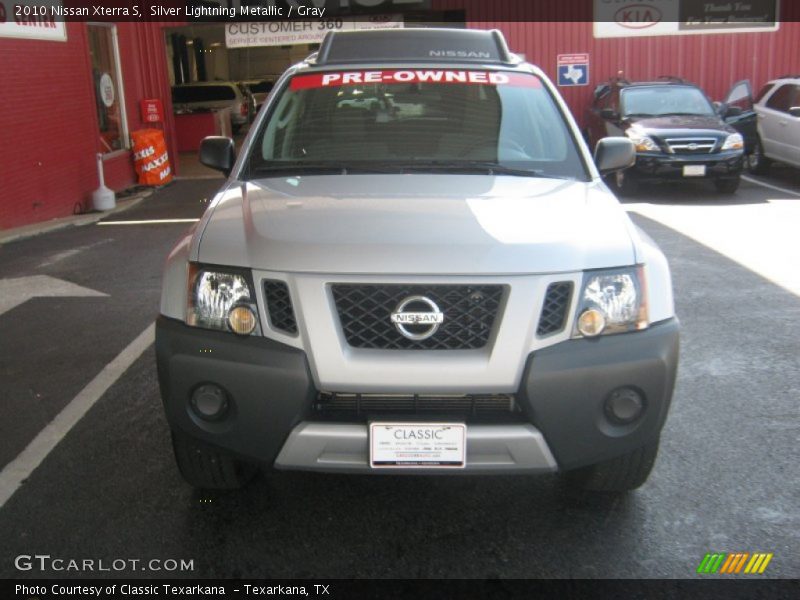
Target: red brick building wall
{"points": [[49, 124]]}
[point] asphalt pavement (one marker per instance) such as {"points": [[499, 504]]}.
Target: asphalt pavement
{"points": [[726, 479]]}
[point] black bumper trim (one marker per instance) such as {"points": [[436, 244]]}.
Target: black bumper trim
{"points": [[564, 388], [659, 167], [269, 383], [561, 393]]}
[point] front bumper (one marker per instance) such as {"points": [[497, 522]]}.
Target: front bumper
{"points": [[343, 447], [655, 166], [562, 393]]}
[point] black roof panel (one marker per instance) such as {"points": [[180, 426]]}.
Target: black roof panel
{"points": [[439, 45]]}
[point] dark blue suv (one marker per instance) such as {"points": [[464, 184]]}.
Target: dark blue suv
{"points": [[677, 132]]}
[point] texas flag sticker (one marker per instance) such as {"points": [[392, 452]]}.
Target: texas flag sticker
{"points": [[573, 69]]}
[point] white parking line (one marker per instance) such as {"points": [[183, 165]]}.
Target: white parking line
{"points": [[19, 469], [770, 186], [55, 258], [149, 222]]}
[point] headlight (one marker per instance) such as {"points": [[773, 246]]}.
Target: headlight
{"points": [[643, 143], [734, 142], [221, 300], [611, 302]]}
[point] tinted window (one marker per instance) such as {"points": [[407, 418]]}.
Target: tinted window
{"points": [[739, 97], [420, 119], [664, 100], [613, 101], [261, 87], [763, 92], [202, 93], [601, 93], [782, 98]]}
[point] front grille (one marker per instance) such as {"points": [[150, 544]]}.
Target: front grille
{"points": [[469, 312], [390, 404], [555, 308], [279, 306], [691, 145]]}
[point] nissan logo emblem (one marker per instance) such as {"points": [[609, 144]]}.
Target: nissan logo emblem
{"points": [[414, 324]]}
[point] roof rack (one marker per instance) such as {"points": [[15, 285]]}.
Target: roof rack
{"points": [[672, 78], [415, 44]]}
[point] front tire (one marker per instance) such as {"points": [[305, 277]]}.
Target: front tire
{"points": [[205, 467], [727, 186], [621, 474], [757, 163]]}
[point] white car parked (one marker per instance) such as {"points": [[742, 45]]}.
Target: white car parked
{"points": [[777, 109], [213, 95]]}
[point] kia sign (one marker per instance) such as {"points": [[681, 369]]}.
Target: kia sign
{"points": [[635, 18]]}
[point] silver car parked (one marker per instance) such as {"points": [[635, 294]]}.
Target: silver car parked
{"points": [[211, 95]]}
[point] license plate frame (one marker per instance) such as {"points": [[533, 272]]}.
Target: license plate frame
{"points": [[694, 170], [388, 450]]}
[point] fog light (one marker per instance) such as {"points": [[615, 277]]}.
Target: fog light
{"points": [[591, 322], [242, 320], [624, 405], [210, 402]]}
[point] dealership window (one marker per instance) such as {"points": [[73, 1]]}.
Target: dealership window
{"points": [[782, 99], [108, 91]]}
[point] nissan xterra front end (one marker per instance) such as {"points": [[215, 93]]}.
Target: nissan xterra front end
{"points": [[415, 267]]}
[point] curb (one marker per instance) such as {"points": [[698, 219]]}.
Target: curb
{"points": [[29, 231]]}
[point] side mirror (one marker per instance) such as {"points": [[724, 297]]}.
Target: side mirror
{"points": [[719, 107], [732, 111], [795, 111], [609, 114], [614, 154], [218, 153]]}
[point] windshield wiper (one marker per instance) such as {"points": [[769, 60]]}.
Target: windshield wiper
{"points": [[297, 168], [473, 166], [685, 114], [301, 167], [280, 168]]}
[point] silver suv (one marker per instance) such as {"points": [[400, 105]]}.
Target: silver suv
{"points": [[777, 109], [415, 267]]}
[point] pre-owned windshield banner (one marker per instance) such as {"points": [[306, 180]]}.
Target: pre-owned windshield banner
{"points": [[340, 78]]}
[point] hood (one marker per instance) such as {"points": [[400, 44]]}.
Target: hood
{"points": [[417, 224], [682, 125]]}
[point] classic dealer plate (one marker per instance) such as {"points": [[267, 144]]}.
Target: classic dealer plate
{"points": [[417, 445], [694, 170]]}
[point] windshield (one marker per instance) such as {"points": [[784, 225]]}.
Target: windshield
{"points": [[416, 120], [664, 100]]}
